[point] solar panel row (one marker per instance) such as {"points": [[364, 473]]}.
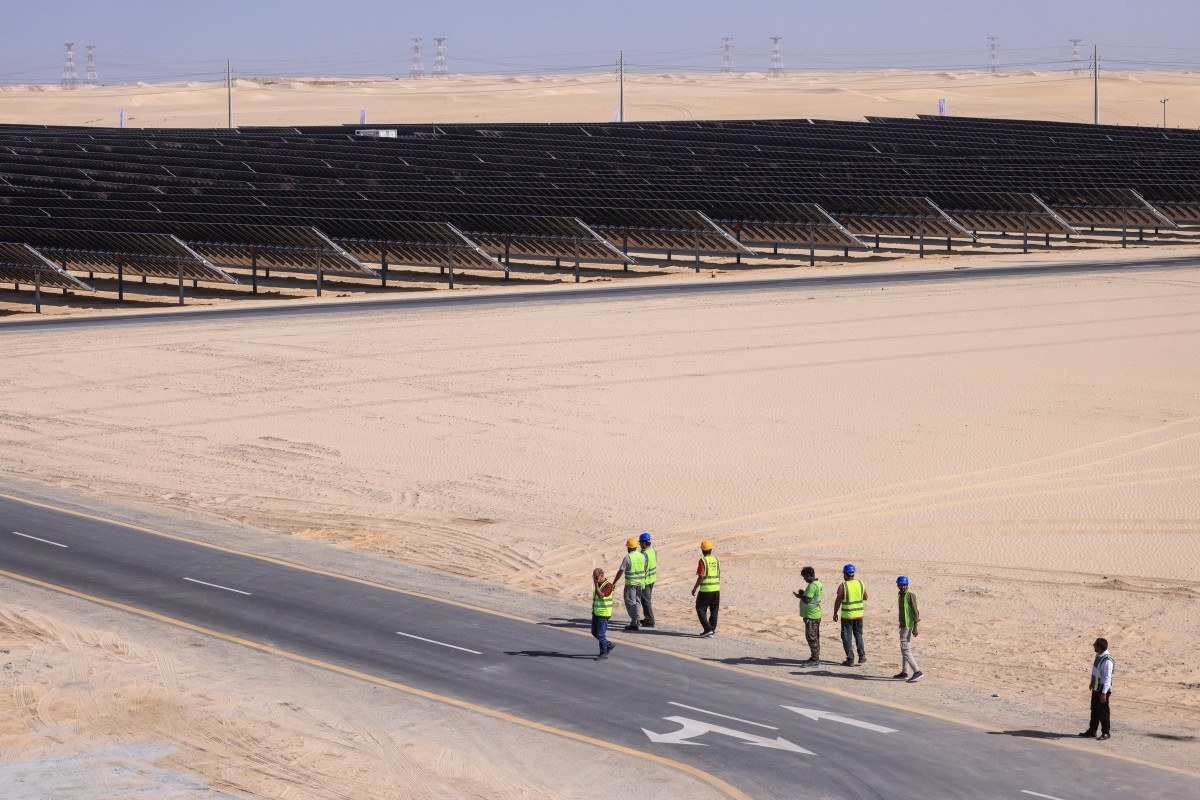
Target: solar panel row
{"points": [[321, 199]]}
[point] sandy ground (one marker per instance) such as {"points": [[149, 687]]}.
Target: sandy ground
{"points": [[1027, 450], [95, 703], [1126, 98]]}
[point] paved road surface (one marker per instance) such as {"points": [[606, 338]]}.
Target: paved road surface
{"points": [[633, 288], [740, 727]]}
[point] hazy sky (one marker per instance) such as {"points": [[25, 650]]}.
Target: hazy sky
{"points": [[141, 39]]}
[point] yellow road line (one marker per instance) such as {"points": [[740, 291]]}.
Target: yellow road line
{"points": [[712, 780], [625, 640]]}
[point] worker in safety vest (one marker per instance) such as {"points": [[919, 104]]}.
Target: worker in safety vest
{"points": [[1101, 686], [707, 589], [910, 617], [633, 567], [602, 606], [810, 611], [647, 592], [850, 603]]}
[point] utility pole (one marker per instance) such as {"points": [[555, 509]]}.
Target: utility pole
{"points": [[620, 86], [229, 92], [1095, 84], [1164, 105]]}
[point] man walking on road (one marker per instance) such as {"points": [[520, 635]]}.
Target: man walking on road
{"points": [[909, 617], [850, 604], [1102, 672], [707, 589], [810, 611], [602, 606], [646, 594], [633, 567]]}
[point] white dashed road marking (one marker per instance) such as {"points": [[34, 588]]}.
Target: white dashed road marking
{"points": [[38, 539], [440, 644], [217, 586]]}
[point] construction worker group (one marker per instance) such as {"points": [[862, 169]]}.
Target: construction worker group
{"points": [[639, 568]]}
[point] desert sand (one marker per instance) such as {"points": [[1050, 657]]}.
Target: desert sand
{"points": [[1026, 449], [1126, 98]]}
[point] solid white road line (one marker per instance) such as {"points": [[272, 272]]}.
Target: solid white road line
{"points": [[1039, 794], [722, 716], [440, 644], [217, 586], [37, 539]]}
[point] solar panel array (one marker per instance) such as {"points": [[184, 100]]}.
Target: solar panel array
{"points": [[207, 204]]}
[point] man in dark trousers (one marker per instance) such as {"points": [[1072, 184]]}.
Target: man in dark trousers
{"points": [[850, 605], [707, 589], [810, 611], [1102, 672]]}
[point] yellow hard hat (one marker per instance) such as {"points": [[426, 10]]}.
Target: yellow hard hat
{"points": [[707, 544], [631, 543]]}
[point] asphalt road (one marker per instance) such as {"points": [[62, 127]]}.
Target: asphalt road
{"points": [[632, 288], [738, 726]]}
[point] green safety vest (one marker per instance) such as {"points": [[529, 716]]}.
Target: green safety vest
{"points": [[636, 577], [810, 600], [651, 565], [601, 606], [906, 613], [711, 582], [852, 600]]}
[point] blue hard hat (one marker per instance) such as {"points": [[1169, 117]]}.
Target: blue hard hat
{"points": [[645, 537], [848, 569], [902, 580]]}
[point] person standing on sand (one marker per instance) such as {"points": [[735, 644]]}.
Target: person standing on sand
{"points": [[633, 567], [602, 607], [909, 617], [810, 611], [647, 592], [707, 589], [851, 604], [1101, 685]]}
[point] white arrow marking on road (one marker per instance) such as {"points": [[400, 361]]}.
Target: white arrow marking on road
{"points": [[816, 715], [722, 716], [38, 539], [1039, 794], [691, 728]]}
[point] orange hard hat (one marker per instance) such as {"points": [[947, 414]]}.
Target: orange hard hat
{"points": [[631, 543], [707, 544]]}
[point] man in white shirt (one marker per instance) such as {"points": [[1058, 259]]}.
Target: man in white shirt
{"points": [[1101, 685]]}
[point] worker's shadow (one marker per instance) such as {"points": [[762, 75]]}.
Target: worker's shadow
{"points": [[849, 676], [752, 661], [547, 654], [565, 622], [1032, 734]]}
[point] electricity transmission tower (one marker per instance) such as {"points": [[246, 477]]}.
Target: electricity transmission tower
{"points": [[726, 54], [1076, 61], [416, 68], [439, 56], [91, 65], [70, 78], [993, 45], [776, 56]]}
